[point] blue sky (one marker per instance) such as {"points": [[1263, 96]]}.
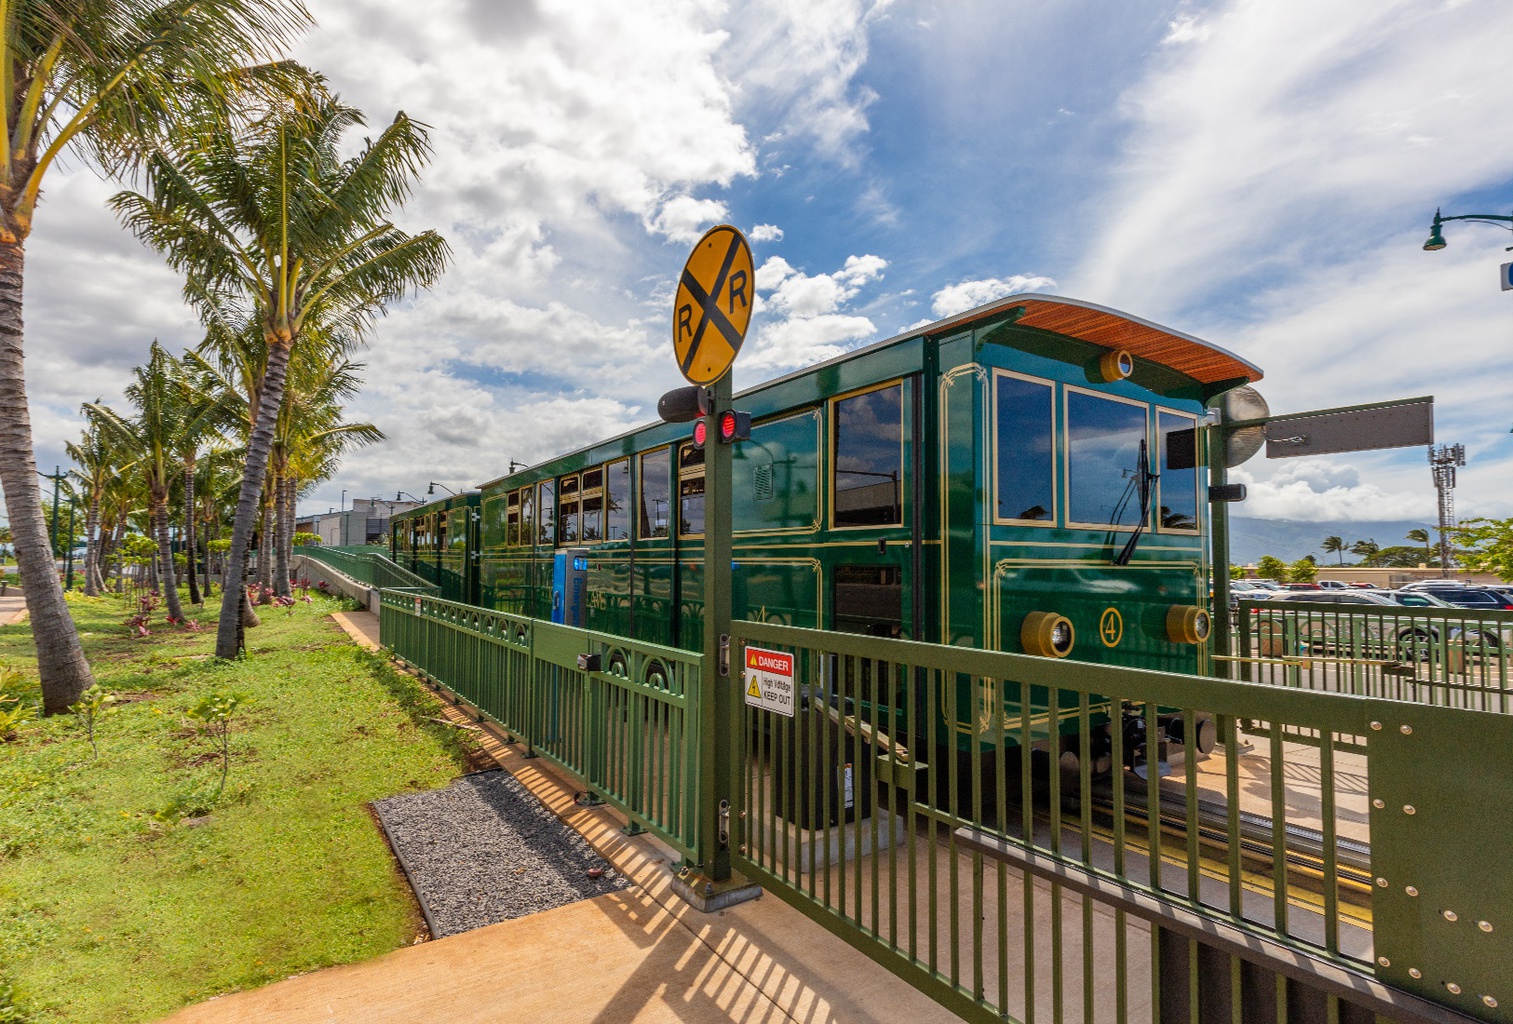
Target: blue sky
{"points": [[1260, 173]]}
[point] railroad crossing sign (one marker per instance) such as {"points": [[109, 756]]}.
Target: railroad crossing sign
{"points": [[713, 305]]}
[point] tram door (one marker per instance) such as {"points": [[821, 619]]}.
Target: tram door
{"points": [[570, 586]]}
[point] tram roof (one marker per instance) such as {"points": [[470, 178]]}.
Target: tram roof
{"points": [[1087, 321]]}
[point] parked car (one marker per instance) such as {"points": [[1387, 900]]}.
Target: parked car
{"points": [[1331, 630], [1364, 586], [1301, 586], [1469, 597]]}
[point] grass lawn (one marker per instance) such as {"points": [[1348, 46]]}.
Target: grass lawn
{"points": [[112, 908]]}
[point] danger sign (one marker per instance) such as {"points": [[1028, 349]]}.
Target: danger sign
{"points": [[769, 680]]}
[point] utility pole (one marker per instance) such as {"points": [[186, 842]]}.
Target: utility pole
{"points": [[1443, 461], [68, 583]]}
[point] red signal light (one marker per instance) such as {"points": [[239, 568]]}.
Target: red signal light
{"points": [[734, 426], [700, 432]]}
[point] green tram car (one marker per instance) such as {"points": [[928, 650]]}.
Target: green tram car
{"points": [[1001, 479]]}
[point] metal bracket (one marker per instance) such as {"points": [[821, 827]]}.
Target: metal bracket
{"points": [[724, 822], [724, 654]]}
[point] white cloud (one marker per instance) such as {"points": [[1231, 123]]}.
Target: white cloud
{"points": [[800, 341], [765, 233], [796, 60], [800, 316], [1259, 148], [965, 295], [685, 219], [1317, 490]]}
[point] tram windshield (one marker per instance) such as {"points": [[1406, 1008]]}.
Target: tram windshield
{"points": [[1105, 438]]}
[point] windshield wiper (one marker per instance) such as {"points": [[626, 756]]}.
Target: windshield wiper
{"points": [[1147, 478]]}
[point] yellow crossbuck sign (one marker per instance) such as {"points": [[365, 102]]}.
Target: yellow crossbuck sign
{"points": [[713, 306]]}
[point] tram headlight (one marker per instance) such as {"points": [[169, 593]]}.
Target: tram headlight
{"points": [[1115, 365], [1187, 624], [1047, 634]]}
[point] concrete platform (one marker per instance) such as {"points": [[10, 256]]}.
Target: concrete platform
{"points": [[638, 956]]}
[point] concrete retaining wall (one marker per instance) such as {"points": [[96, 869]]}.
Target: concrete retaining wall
{"points": [[305, 567]]}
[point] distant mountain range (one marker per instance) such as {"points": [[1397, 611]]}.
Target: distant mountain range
{"points": [[1290, 540]]}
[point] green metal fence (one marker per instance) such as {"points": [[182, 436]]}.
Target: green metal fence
{"points": [[369, 566], [618, 713], [1454, 657], [1003, 869]]}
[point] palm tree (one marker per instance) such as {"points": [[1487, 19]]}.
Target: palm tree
{"points": [[98, 461], [155, 436], [1367, 549], [1334, 546], [1421, 536], [277, 221], [105, 80], [310, 436]]}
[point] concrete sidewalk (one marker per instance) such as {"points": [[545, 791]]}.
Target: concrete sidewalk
{"points": [[12, 607], [641, 955]]}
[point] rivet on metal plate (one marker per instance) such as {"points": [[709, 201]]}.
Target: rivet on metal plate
{"points": [[1384, 961], [1450, 915], [1378, 803], [1407, 730], [1408, 809], [1485, 926], [1453, 987], [1411, 890], [1376, 726], [1382, 882], [1414, 972]]}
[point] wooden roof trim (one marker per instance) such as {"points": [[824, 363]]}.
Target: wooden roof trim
{"points": [[1193, 357]]}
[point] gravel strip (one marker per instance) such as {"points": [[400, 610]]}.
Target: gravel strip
{"points": [[485, 850]]}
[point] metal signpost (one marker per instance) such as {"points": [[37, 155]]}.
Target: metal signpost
{"points": [[711, 312]]}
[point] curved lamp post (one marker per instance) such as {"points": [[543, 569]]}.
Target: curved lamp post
{"points": [[1437, 241], [432, 488]]}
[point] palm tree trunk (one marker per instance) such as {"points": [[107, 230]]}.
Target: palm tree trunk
{"points": [[205, 561], [285, 495], [92, 545], [228, 639], [61, 667], [166, 572], [188, 538], [265, 541]]}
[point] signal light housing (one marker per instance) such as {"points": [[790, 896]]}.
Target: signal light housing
{"points": [[700, 432], [734, 426]]}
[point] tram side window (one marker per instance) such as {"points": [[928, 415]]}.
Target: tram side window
{"points": [[1026, 456], [617, 500], [545, 520], [527, 516], [567, 510], [656, 504], [691, 490], [1178, 487], [1105, 443], [512, 519], [591, 500], [869, 458]]}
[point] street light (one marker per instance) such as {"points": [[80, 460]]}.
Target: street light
{"points": [[1437, 238], [432, 489], [399, 496]]}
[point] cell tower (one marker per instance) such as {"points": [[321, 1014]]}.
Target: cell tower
{"points": [[1443, 460]]}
